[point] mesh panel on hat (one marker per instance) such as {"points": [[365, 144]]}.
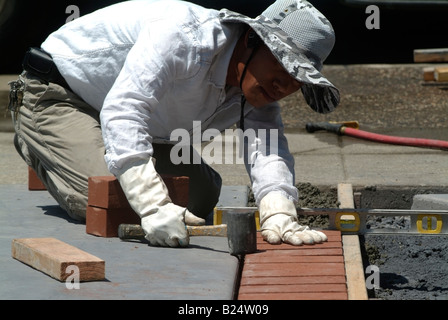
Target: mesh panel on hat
{"points": [[306, 25], [277, 9], [310, 34]]}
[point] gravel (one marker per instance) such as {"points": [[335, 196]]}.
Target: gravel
{"points": [[380, 97], [411, 267]]}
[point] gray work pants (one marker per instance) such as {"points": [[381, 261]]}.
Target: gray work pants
{"points": [[59, 136]]}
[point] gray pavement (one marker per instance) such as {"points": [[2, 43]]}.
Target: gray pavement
{"points": [[388, 176], [134, 270]]}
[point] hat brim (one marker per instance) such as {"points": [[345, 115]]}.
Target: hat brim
{"points": [[320, 94]]}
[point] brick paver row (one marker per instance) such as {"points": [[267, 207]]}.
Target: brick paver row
{"points": [[284, 272]]}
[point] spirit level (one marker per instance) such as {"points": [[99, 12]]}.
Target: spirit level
{"points": [[353, 221]]}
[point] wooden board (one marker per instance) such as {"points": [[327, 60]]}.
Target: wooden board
{"points": [[53, 257], [441, 74], [431, 55], [428, 74]]}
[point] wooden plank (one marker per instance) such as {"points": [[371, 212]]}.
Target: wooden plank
{"points": [[345, 196], [431, 55], [352, 252], [428, 74], [52, 257], [441, 74], [354, 268]]}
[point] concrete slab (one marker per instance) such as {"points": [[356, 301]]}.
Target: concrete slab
{"points": [[320, 169], [134, 270], [13, 170], [430, 202], [396, 169], [233, 196]]}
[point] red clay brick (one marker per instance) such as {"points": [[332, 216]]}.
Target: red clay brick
{"points": [[178, 187], [295, 296], [106, 192], [104, 222], [293, 269], [34, 183], [308, 252], [266, 246], [276, 288], [254, 281], [283, 258]]}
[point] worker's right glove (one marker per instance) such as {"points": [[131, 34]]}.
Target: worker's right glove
{"points": [[162, 221], [278, 220]]}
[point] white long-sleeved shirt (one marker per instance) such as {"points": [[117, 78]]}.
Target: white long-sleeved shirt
{"points": [[151, 67]]}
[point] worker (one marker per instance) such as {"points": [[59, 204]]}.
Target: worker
{"points": [[104, 93]]}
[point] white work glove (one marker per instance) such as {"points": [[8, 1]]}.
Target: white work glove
{"points": [[278, 220], [192, 220], [162, 221]]}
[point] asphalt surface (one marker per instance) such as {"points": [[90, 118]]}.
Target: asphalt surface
{"points": [[386, 99]]}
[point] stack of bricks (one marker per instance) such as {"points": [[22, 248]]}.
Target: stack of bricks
{"points": [[435, 74], [108, 207]]}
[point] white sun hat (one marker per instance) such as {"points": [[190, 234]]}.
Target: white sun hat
{"points": [[301, 38]]}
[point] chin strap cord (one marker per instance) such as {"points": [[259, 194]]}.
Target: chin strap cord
{"points": [[243, 102]]}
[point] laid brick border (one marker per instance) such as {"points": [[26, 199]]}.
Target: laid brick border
{"points": [[331, 270], [285, 272]]}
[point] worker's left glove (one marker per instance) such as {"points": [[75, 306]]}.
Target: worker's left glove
{"points": [[278, 220], [162, 221]]}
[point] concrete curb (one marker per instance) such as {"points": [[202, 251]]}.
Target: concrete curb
{"points": [[430, 202]]}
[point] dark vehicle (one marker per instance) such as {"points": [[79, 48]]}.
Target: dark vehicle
{"points": [[404, 25]]}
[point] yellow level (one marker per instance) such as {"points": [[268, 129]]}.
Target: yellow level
{"points": [[353, 221]]}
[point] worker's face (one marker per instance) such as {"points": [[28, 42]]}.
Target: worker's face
{"points": [[266, 80]]}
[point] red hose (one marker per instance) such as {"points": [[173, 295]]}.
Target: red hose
{"points": [[414, 142]]}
